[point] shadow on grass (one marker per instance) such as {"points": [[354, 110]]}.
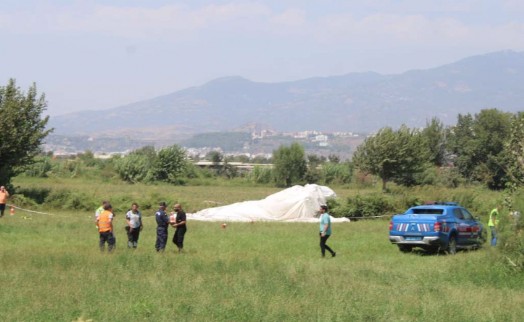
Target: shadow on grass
{"points": [[425, 252]]}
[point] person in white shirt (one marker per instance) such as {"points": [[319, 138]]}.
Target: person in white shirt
{"points": [[134, 225]]}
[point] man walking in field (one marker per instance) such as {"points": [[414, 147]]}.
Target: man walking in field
{"points": [[162, 221], [325, 231], [134, 225], [4, 195], [104, 223], [179, 223]]}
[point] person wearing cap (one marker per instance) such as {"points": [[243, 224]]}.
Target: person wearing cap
{"points": [[4, 195], [325, 231], [179, 223], [104, 222], [162, 221]]}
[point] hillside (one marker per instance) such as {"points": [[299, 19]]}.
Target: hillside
{"points": [[357, 102]]}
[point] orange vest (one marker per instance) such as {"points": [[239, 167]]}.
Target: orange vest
{"points": [[3, 197], [104, 221]]}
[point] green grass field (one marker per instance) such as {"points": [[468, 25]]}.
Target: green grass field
{"points": [[51, 270]]}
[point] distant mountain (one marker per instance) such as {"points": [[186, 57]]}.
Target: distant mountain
{"points": [[356, 102]]}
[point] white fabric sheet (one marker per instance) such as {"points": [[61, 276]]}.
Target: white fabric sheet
{"points": [[295, 204]]}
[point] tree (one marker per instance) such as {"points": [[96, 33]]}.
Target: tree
{"points": [[514, 150], [434, 135], [289, 164], [218, 160], [138, 166], [478, 143], [22, 129], [392, 155], [171, 164]]}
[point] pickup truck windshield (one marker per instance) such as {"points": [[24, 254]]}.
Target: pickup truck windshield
{"points": [[428, 211]]}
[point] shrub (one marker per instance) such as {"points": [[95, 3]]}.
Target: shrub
{"points": [[261, 174], [366, 206], [65, 199], [511, 236], [40, 168], [337, 173], [38, 195]]}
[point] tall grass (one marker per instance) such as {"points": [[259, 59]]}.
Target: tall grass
{"points": [[51, 270]]}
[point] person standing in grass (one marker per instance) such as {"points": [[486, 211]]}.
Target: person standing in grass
{"points": [[134, 225], [100, 209], [493, 223], [325, 231], [4, 195], [162, 221], [179, 223], [104, 222]]}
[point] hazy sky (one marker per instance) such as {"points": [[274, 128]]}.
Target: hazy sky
{"points": [[90, 55]]}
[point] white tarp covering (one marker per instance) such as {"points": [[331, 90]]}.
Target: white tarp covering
{"points": [[298, 203]]}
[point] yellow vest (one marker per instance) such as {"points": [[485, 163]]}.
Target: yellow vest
{"points": [[493, 218]]}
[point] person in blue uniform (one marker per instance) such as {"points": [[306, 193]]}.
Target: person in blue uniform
{"points": [[162, 221]]}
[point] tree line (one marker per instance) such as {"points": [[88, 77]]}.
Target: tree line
{"points": [[485, 148]]}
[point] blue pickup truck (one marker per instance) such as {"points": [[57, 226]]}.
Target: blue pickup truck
{"points": [[436, 227]]}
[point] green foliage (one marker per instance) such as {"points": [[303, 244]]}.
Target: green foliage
{"points": [[478, 143], [289, 165], [40, 167], [434, 136], [440, 176], [38, 195], [366, 206], [146, 165], [514, 150], [215, 156], [337, 173], [393, 155], [170, 164], [135, 168], [261, 174], [22, 128], [511, 232], [71, 200]]}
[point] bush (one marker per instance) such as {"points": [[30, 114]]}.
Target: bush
{"points": [[135, 168], [366, 206], [337, 173], [65, 199], [40, 168], [22, 201], [38, 195], [261, 174], [511, 235]]}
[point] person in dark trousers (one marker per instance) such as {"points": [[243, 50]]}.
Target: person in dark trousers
{"points": [[134, 225], [179, 223], [162, 221], [325, 231], [104, 222]]}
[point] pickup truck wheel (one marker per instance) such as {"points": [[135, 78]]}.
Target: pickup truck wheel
{"points": [[405, 248], [452, 245]]}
